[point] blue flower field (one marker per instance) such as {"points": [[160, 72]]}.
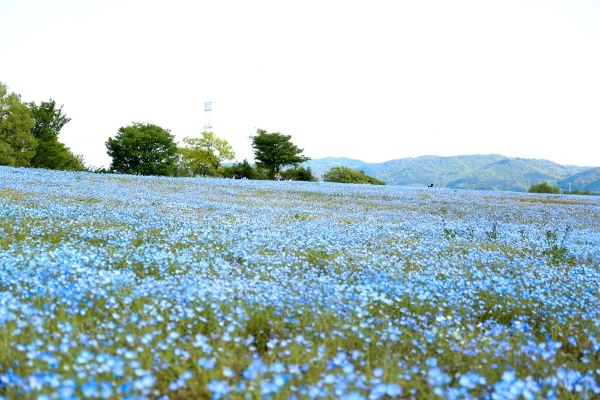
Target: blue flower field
{"points": [[115, 286]]}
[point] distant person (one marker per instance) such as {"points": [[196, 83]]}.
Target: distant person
{"points": [[431, 185], [278, 176]]}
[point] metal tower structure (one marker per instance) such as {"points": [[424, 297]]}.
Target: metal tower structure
{"points": [[207, 111]]}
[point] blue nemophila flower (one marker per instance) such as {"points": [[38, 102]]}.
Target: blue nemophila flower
{"points": [[353, 396], [90, 388], [435, 377], [255, 370], [381, 390], [207, 363], [67, 389], [378, 372], [471, 380], [125, 388], [270, 387], [219, 389], [106, 390], [117, 366], [85, 356]]}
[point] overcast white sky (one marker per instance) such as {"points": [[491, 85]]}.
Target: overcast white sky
{"points": [[373, 80]]}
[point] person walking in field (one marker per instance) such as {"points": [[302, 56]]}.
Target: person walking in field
{"points": [[278, 176]]}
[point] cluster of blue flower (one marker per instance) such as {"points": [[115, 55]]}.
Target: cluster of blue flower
{"points": [[147, 287]]}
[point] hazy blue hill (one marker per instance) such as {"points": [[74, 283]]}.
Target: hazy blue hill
{"points": [[586, 180], [490, 172], [322, 165], [421, 171], [516, 174]]}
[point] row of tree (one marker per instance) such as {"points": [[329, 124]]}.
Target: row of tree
{"points": [[147, 149], [29, 138], [29, 134]]}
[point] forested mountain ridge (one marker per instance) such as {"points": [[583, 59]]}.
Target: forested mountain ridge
{"points": [[487, 172]]}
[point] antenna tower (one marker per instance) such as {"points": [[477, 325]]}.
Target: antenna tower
{"points": [[207, 111]]}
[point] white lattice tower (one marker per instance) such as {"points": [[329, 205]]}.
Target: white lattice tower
{"points": [[207, 112]]}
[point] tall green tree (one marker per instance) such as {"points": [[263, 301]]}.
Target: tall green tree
{"points": [[275, 150], [50, 153], [204, 155], [143, 149], [17, 144]]}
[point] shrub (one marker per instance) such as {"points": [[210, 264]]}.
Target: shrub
{"points": [[298, 174], [345, 174], [544, 187], [580, 192], [242, 170]]}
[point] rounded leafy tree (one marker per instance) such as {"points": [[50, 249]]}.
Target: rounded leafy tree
{"points": [[143, 149]]}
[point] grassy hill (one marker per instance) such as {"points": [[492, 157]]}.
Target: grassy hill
{"points": [[489, 172]]}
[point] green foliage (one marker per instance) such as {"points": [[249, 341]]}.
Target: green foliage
{"points": [[143, 149], [204, 155], [348, 175], [50, 153], [48, 119], [492, 234], [17, 144], [543, 187], [275, 150], [298, 174], [243, 170], [556, 249]]}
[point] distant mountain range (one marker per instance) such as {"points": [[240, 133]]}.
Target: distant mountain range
{"points": [[486, 172]]}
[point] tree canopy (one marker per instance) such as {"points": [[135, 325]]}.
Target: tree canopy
{"points": [[143, 149], [17, 144], [50, 153], [275, 150], [204, 155], [345, 174], [48, 119]]}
